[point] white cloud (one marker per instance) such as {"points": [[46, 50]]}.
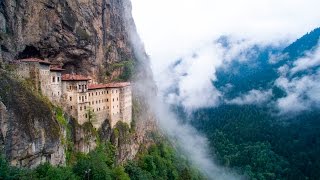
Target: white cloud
{"points": [[283, 70], [195, 87], [194, 75], [275, 58], [252, 97], [311, 59], [303, 93]]}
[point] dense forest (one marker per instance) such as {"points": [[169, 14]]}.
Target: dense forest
{"points": [[160, 161], [260, 145]]}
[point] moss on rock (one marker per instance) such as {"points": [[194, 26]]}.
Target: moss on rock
{"points": [[27, 106]]}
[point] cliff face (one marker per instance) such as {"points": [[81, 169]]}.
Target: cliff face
{"points": [[84, 36], [90, 37], [29, 134]]}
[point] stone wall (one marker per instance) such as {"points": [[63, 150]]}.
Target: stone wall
{"points": [[55, 91], [126, 104]]}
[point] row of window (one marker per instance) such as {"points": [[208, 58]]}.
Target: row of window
{"points": [[86, 115], [54, 94], [83, 98], [102, 92], [98, 109], [54, 79], [82, 87]]}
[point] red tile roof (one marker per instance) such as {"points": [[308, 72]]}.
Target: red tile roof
{"points": [[119, 84], [54, 68], [35, 60], [109, 85], [96, 86], [74, 77]]}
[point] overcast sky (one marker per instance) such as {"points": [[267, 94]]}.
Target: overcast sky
{"points": [[171, 28]]}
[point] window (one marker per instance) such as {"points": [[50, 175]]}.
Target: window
{"points": [[80, 108], [89, 103], [96, 93], [113, 99], [79, 98], [117, 99], [96, 102], [99, 101], [58, 93], [112, 91], [107, 100], [85, 86], [89, 94], [79, 87], [86, 115], [58, 79], [70, 98], [53, 79], [107, 92], [92, 102], [70, 107], [70, 87], [85, 107]]}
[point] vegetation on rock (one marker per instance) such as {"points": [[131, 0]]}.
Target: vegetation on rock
{"points": [[159, 162]]}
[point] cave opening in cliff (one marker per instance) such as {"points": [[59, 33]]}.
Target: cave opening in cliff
{"points": [[29, 52]]}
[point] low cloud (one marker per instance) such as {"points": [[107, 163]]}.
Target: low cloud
{"points": [[312, 59], [254, 96], [189, 81], [302, 93]]}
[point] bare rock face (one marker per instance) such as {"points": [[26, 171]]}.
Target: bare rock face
{"points": [[85, 36]]}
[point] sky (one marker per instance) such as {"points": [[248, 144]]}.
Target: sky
{"points": [[173, 28]]}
